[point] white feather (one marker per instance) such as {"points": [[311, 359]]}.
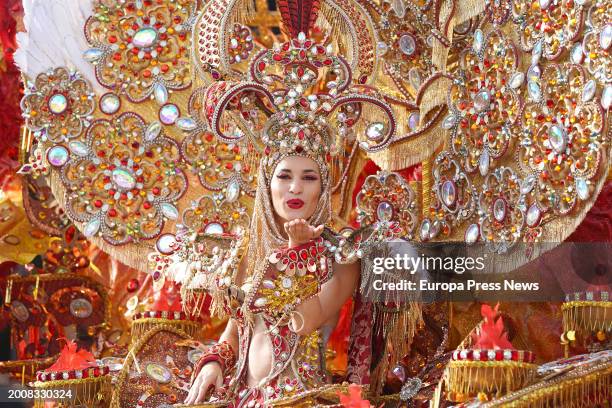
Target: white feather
{"points": [[54, 37]]}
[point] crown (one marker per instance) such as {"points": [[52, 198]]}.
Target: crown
{"points": [[304, 96]]}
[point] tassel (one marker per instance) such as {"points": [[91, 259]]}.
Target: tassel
{"points": [[35, 292], [8, 293]]}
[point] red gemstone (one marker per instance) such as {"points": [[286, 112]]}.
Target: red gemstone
{"points": [[292, 255], [499, 355], [133, 285]]}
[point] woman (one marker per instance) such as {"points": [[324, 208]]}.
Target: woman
{"points": [[293, 292]]}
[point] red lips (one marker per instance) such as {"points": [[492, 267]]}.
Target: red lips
{"points": [[295, 203]]}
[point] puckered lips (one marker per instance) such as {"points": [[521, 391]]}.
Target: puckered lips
{"points": [[295, 203]]}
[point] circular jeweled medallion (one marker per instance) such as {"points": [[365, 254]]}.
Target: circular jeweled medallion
{"points": [[159, 373], [81, 308]]}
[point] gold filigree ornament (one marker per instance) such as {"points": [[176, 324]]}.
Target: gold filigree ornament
{"points": [[594, 50], [123, 180], [563, 137], [58, 106], [142, 47], [387, 197], [547, 27]]}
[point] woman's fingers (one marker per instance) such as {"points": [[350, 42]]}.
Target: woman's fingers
{"points": [[203, 389], [318, 231], [193, 391], [300, 231]]}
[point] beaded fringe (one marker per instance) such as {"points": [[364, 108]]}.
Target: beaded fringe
{"points": [[587, 316], [87, 392], [467, 378]]}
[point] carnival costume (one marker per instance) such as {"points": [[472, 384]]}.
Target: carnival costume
{"points": [[158, 125]]}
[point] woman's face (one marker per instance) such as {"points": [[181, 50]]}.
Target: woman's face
{"points": [[295, 188]]}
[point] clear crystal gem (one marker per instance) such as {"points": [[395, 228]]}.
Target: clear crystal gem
{"points": [[605, 37], [534, 91], [58, 103], [384, 211], [381, 48], [93, 54], [144, 38], [399, 7], [407, 44], [533, 216], [533, 73], [169, 211], [582, 189], [413, 120], [399, 372], [576, 54], [449, 121], [544, 4], [260, 302], [160, 92], [214, 228], [153, 130], [57, 156], [517, 80], [558, 138], [168, 114], [110, 103], [472, 233], [410, 388], [414, 77], [375, 131], [91, 228], [232, 191], [478, 40], [589, 90], [166, 244], [499, 209], [482, 101], [287, 282], [186, 124], [425, 227], [78, 148], [80, 308], [123, 179], [536, 53], [436, 226], [449, 193], [528, 184], [484, 162]]}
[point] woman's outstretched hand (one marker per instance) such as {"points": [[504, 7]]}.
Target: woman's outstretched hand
{"points": [[211, 375], [301, 232]]}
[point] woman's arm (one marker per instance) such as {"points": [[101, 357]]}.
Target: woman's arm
{"points": [[326, 304], [230, 334]]}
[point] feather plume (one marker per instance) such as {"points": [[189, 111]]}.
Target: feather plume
{"points": [[54, 37]]}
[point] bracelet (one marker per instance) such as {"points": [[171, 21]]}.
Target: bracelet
{"points": [[221, 353], [299, 259]]}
